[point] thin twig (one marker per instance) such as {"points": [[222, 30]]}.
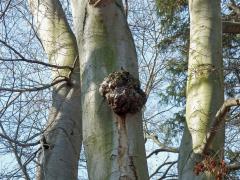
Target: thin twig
{"points": [[17, 142], [164, 149], [35, 88], [28, 60], [6, 8], [36, 62]]}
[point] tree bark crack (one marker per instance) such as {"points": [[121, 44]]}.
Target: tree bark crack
{"points": [[84, 19], [125, 161], [132, 165]]}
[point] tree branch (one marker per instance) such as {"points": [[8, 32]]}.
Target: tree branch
{"points": [[219, 118], [155, 139], [162, 165], [163, 149], [36, 62], [35, 88], [169, 167], [6, 8], [231, 27], [233, 167], [18, 142], [234, 7], [162, 146], [23, 59], [232, 24]]}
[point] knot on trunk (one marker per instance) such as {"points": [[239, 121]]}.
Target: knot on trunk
{"points": [[123, 92]]}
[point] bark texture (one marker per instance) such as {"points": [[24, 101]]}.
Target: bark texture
{"points": [[204, 87], [62, 139], [114, 144]]}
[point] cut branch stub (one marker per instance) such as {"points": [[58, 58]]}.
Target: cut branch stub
{"points": [[123, 93]]}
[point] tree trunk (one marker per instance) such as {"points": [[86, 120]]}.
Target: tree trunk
{"points": [[114, 145], [204, 87], [62, 139]]}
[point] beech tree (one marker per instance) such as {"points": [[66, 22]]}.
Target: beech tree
{"points": [[203, 137], [204, 88], [93, 96], [61, 141], [113, 141], [105, 45]]}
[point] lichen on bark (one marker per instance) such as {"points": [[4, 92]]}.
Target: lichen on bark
{"points": [[123, 93]]}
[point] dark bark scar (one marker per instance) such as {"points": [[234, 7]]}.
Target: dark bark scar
{"points": [[132, 165]]}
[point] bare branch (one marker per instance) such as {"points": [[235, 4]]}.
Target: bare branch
{"points": [[219, 118], [23, 59], [169, 167], [162, 165], [36, 88], [6, 8], [233, 167], [36, 62], [162, 146], [18, 142], [164, 149], [234, 7], [232, 24], [231, 27]]}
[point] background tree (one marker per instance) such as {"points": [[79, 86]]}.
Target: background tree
{"points": [[62, 138], [204, 87], [176, 26]]}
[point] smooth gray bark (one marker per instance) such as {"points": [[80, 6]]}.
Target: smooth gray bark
{"points": [[62, 139], [114, 145], [204, 87]]}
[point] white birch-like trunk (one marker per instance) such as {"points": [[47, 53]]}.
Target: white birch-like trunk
{"points": [[204, 86], [59, 157], [114, 145]]}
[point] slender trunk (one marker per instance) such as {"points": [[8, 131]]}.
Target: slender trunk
{"points": [[114, 145], [62, 139], [204, 87]]}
